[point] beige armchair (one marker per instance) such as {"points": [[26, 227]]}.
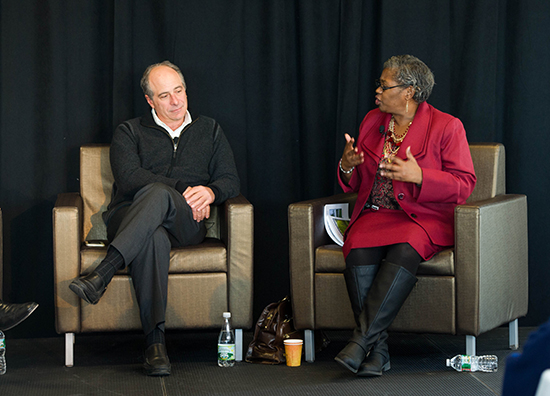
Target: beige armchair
{"points": [[204, 280], [475, 287]]}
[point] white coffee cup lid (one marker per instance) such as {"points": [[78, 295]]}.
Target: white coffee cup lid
{"points": [[294, 342]]}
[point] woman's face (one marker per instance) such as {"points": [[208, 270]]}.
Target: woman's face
{"points": [[391, 100]]}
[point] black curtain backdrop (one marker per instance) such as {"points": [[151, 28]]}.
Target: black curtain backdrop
{"points": [[285, 79]]}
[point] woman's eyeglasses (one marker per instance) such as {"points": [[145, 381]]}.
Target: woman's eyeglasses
{"points": [[378, 84]]}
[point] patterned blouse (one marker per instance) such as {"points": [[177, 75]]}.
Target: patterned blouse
{"points": [[382, 191]]}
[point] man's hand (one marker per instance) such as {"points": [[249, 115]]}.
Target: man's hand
{"points": [[200, 215], [199, 199], [403, 170]]}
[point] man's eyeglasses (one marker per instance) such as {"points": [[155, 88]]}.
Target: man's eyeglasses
{"points": [[378, 84]]}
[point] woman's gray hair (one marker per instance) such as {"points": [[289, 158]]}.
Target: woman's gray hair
{"points": [[412, 71], [145, 79]]}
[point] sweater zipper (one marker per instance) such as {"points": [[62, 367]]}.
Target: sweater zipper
{"points": [[173, 162], [176, 145]]}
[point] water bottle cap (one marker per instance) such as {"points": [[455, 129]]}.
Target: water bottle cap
{"points": [[227, 314], [448, 362]]}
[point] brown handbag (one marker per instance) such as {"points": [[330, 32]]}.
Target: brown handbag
{"points": [[273, 327]]}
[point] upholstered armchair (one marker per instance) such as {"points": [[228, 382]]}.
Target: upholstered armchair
{"points": [[204, 280], [475, 287]]}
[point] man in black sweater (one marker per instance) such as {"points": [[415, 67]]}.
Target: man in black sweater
{"points": [[169, 167]]}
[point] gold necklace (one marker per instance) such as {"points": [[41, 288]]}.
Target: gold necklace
{"points": [[392, 143], [397, 139]]}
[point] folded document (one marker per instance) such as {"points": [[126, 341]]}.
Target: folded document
{"points": [[337, 221]]}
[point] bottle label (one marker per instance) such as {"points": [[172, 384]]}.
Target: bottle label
{"points": [[2, 343], [466, 363], [226, 352]]}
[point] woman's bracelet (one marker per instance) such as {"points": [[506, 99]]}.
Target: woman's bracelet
{"points": [[344, 171]]}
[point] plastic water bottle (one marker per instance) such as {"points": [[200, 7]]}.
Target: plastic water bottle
{"points": [[2, 353], [486, 363], [226, 343]]}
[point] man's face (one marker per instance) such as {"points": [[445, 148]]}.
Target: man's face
{"points": [[169, 98]]}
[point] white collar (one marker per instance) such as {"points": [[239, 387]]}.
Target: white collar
{"points": [[174, 133]]}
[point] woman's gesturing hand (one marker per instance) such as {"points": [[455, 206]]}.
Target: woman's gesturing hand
{"points": [[351, 157], [403, 170]]}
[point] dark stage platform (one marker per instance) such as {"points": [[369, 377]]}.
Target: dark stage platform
{"points": [[110, 364]]}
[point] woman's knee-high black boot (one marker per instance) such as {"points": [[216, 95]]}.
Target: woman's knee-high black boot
{"points": [[358, 282], [390, 289], [378, 359]]}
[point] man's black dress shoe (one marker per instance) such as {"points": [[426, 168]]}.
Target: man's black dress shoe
{"points": [[90, 288], [156, 360], [13, 314]]}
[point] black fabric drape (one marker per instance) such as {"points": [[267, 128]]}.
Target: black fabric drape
{"points": [[285, 80]]}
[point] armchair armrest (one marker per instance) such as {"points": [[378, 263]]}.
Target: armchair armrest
{"points": [[67, 238], [307, 232], [491, 262], [237, 232]]}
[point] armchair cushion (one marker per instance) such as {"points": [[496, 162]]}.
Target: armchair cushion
{"points": [[209, 256], [329, 258]]}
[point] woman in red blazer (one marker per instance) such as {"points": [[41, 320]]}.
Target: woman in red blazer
{"points": [[410, 167]]}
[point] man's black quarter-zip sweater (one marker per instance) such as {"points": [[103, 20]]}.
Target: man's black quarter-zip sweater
{"points": [[143, 152]]}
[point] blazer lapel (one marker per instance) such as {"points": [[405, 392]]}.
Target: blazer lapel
{"points": [[417, 137], [372, 142]]}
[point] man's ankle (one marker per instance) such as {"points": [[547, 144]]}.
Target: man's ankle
{"points": [[155, 337]]}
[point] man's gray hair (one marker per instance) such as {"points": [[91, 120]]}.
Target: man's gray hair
{"points": [[412, 71], [145, 79]]}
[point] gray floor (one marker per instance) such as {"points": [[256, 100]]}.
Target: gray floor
{"points": [[111, 365]]}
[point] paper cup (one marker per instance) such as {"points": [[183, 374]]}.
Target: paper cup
{"points": [[293, 352]]}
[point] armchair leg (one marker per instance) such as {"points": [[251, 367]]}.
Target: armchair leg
{"points": [[309, 345], [513, 334], [239, 345], [69, 349], [470, 345]]}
